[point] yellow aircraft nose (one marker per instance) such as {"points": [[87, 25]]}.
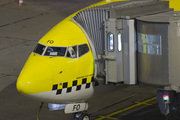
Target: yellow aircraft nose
{"points": [[35, 77]]}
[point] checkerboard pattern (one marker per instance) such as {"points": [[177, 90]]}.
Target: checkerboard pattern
{"points": [[74, 85]]}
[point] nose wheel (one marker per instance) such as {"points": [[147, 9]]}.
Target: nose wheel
{"points": [[80, 116]]}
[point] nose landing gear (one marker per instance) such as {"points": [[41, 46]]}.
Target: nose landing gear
{"points": [[80, 116], [78, 110]]}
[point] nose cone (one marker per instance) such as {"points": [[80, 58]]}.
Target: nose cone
{"points": [[36, 77]]}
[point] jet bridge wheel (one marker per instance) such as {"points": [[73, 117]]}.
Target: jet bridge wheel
{"points": [[80, 116]]}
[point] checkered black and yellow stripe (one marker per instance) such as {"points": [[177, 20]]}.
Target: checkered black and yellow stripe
{"points": [[74, 84]]}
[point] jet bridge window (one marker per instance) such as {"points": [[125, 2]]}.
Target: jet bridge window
{"points": [[72, 52], [83, 49], [119, 42], [110, 38], [149, 44], [55, 51], [39, 49]]}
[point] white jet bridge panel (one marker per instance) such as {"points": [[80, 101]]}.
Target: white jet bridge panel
{"points": [[113, 51]]}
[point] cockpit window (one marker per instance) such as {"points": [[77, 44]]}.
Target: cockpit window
{"points": [[39, 49], [55, 51], [83, 49], [72, 52]]}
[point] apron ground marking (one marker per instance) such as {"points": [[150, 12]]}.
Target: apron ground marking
{"points": [[127, 108]]}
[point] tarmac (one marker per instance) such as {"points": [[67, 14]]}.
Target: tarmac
{"points": [[21, 27]]}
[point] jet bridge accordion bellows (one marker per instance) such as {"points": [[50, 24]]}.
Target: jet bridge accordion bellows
{"points": [[92, 20]]}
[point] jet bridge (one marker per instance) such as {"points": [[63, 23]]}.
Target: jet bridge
{"points": [[136, 42], [118, 40]]}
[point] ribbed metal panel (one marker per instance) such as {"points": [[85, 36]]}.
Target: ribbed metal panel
{"points": [[152, 67], [92, 20]]}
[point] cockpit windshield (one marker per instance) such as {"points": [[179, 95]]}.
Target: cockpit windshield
{"points": [[39, 49], [55, 51], [69, 52]]}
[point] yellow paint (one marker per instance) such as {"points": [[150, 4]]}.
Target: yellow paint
{"points": [[43, 72], [103, 2], [127, 108], [144, 103], [144, 45], [175, 4], [106, 117], [66, 33]]}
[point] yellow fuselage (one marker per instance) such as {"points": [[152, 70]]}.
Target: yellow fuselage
{"points": [[50, 78]]}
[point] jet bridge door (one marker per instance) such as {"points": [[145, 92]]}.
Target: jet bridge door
{"points": [[113, 51]]}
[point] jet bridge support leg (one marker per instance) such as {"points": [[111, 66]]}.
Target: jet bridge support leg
{"points": [[169, 102], [163, 101]]}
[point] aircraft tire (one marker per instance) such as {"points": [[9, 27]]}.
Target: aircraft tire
{"points": [[84, 116]]}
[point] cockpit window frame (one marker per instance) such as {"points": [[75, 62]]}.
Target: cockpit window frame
{"points": [[85, 53], [43, 51], [46, 47], [76, 52], [54, 55], [65, 55]]}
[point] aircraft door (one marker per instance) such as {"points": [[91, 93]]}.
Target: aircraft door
{"points": [[113, 51]]}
